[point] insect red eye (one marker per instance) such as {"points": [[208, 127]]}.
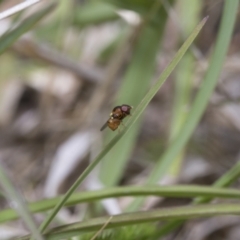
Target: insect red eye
{"points": [[125, 108]]}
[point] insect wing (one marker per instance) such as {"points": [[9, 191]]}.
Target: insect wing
{"points": [[104, 126]]}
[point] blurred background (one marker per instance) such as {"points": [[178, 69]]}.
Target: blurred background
{"points": [[60, 81]]}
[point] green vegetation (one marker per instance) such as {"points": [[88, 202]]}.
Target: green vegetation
{"points": [[144, 40]]}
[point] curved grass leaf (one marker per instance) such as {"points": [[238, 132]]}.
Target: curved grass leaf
{"points": [[171, 213], [161, 191], [136, 114]]}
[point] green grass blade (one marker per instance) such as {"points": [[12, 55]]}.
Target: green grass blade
{"points": [[229, 177], [183, 84], [10, 37], [226, 180], [204, 94], [166, 72], [140, 70], [161, 191], [202, 98], [16, 200], [171, 213], [134, 118]]}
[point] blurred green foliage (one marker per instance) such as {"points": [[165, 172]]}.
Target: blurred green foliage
{"points": [[136, 80]]}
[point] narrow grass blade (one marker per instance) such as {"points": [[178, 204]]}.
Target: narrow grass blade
{"points": [[204, 94], [17, 8], [183, 84], [10, 37], [226, 180], [140, 70], [171, 213], [161, 191], [17, 202], [134, 118], [202, 98]]}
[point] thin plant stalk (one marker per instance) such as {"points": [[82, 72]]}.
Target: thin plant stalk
{"points": [[184, 191]]}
